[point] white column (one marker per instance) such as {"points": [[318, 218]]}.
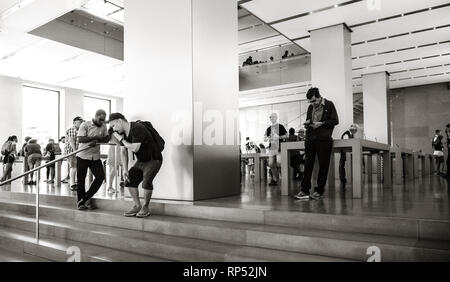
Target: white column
{"points": [[331, 70], [181, 73], [376, 107]]}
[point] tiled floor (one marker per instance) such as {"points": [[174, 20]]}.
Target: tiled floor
{"points": [[422, 198]]}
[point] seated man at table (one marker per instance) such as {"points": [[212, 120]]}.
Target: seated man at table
{"points": [[321, 118], [349, 134]]}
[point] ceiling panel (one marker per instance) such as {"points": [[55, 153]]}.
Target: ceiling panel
{"points": [[419, 21], [350, 14], [420, 72], [441, 60], [400, 42], [402, 55], [259, 32], [269, 10], [6, 4], [420, 81], [264, 43], [248, 21]]}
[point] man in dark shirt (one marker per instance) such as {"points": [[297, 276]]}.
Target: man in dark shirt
{"points": [[134, 136], [321, 118], [350, 134], [274, 134]]}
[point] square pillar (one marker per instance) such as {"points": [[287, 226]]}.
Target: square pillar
{"points": [[331, 70], [181, 74], [376, 107]]}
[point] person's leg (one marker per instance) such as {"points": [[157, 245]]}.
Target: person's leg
{"points": [[310, 157], [73, 172], [273, 167], [47, 174], [448, 165], [149, 172], [8, 170], [25, 168], [112, 174], [342, 168], [96, 168], [52, 173], [30, 167], [82, 167], [135, 176], [324, 149]]}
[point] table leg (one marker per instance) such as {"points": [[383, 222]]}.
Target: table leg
{"points": [[410, 167], [58, 173], [285, 173], [331, 172], [357, 170], [416, 165], [398, 167], [387, 176], [369, 168], [257, 168], [348, 167], [379, 172]]}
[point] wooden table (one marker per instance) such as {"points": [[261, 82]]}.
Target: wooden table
{"points": [[355, 146]]}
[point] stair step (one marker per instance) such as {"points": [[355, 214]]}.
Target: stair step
{"points": [[169, 247], [9, 256], [23, 243], [390, 226], [316, 242]]}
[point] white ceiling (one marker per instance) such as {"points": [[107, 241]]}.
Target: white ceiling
{"points": [[390, 37], [35, 59]]}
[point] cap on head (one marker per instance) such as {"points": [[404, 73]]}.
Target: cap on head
{"points": [[115, 116], [77, 119]]}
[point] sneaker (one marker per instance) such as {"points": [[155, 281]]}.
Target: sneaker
{"points": [[81, 206], [273, 183], [65, 181], [301, 196], [90, 204], [133, 212], [50, 181], [73, 188], [46, 180], [316, 196], [143, 213]]}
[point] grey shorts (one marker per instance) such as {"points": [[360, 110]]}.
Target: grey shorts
{"points": [[143, 172]]}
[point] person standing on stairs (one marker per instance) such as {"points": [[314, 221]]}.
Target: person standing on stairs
{"points": [[143, 140], [89, 135]]}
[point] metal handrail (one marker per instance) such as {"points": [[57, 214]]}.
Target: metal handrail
{"points": [[42, 166], [38, 178]]}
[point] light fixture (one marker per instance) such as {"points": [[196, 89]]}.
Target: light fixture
{"points": [[16, 7]]}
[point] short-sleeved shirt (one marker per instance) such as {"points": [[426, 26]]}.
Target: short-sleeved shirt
{"points": [[71, 133], [33, 148], [280, 131], [89, 129], [317, 111], [140, 134]]}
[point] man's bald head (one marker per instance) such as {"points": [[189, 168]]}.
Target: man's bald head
{"points": [[100, 117]]}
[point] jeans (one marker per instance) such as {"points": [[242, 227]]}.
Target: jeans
{"points": [[96, 168], [323, 149], [342, 167]]}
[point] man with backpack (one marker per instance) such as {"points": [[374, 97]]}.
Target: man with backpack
{"points": [[144, 141]]}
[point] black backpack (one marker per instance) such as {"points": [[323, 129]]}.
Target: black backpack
{"points": [[157, 139]]}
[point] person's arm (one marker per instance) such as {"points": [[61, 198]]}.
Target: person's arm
{"points": [[283, 132], [124, 158], [133, 147], [105, 138], [333, 119]]}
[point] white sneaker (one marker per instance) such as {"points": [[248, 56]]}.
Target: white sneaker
{"points": [[301, 196], [143, 213]]}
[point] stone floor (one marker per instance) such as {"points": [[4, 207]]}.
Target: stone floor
{"points": [[427, 197]]}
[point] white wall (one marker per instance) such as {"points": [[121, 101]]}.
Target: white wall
{"points": [[10, 108]]}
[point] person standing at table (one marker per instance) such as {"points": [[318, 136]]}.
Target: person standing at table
{"points": [[438, 153], [71, 145], [321, 118], [274, 134], [90, 133], [349, 134]]}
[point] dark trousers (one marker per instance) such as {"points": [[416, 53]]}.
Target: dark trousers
{"points": [[448, 165], [342, 167], [96, 168], [323, 149]]}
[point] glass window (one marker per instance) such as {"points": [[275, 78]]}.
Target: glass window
{"points": [[92, 104], [40, 114]]}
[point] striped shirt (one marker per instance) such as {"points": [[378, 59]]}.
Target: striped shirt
{"points": [[71, 133]]}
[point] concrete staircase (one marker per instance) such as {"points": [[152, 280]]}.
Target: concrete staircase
{"points": [[186, 232]]}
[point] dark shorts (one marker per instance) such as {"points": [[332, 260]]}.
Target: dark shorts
{"points": [[143, 172]]}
